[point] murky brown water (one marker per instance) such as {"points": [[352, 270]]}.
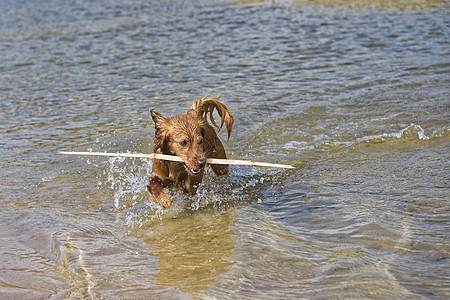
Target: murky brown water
{"points": [[355, 94]]}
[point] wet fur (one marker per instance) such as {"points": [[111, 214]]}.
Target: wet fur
{"points": [[192, 138]]}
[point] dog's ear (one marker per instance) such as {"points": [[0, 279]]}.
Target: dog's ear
{"points": [[158, 119], [161, 138]]}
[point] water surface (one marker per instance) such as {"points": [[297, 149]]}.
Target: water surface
{"points": [[354, 94]]}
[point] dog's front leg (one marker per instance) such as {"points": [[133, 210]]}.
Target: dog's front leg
{"points": [[158, 192]]}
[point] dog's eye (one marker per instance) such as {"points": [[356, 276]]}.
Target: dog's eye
{"points": [[200, 141], [183, 143]]}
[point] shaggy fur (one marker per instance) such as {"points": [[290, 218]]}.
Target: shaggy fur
{"points": [[192, 138]]}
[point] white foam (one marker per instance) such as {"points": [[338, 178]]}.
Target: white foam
{"points": [[323, 141], [412, 129]]}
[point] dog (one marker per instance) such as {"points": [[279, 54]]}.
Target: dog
{"points": [[192, 138]]}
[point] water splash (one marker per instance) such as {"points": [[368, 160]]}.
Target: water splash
{"points": [[128, 180]]}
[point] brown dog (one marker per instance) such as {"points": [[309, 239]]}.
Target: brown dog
{"points": [[192, 138]]}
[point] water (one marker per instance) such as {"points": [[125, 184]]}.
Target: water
{"points": [[354, 94]]}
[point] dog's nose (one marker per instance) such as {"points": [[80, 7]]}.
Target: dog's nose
{"points": [[201, 163]]}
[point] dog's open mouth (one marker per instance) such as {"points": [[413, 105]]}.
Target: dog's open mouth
{"points": [[191, 171]]}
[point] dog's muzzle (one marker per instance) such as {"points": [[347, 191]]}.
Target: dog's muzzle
{"points": [[200, 165]]}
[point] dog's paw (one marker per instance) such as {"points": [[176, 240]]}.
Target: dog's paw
{"points": [[159, 193]]}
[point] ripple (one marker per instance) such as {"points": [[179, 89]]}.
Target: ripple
{"points": [[71, 265]]}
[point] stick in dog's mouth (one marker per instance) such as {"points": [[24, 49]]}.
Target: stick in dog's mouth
{"points": [[178, 159]]}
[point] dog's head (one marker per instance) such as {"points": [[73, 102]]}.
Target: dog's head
{"points": [[183, 136]]}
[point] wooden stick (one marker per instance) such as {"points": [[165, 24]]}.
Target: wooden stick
{"points": [[216, 161]]}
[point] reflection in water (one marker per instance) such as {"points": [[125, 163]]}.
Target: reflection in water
{"points": [[193, 250]]}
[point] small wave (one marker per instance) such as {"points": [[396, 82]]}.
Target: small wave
{"points": [[410, 132], [317, 144], [323, 142], [44, 181], [295, 145]]}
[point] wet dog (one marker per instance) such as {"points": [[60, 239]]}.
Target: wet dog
{"points": [[192, 138]]}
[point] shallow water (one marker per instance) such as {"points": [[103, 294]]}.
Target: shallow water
{"points": [[354, 94]]}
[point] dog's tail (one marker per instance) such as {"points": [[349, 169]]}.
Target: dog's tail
{"points": [[207, 105]]}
